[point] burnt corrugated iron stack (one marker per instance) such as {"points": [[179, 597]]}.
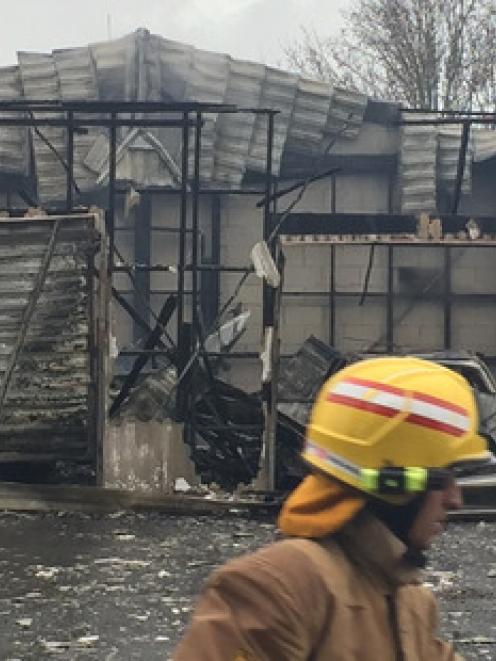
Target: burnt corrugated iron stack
{"points": [[47, 410], [13, 141]]}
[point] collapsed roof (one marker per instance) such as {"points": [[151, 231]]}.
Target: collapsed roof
{"points": [[146, 67]]}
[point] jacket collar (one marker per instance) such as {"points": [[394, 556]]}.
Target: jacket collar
{"points": [[368, 543]]}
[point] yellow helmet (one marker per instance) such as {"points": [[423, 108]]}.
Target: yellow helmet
{"points": [[392, 414]]}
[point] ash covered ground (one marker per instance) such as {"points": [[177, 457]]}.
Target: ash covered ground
{"points": [[121, 586]]}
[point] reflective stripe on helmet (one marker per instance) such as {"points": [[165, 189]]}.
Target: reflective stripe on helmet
{"points": [[388, 401], [330, 458]]}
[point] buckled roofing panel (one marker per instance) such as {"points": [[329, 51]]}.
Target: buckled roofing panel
{"points": [[142, 66], [208, 83], [278, 93], [77, 80], [346, 110], [40, 81], [417, 167], [234, 131], [449, 154], [13, 141], [116, 68], [309, 120]]}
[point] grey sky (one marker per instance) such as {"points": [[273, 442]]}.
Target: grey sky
{"points": [[249, 29]]}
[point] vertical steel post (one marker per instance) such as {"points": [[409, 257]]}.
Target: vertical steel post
{"points": [[183, 216], [195, 227], [70, 161], [332, 297], [447, 297], [333, 193], [111, 189], [196, 334], [142, 219], [268, 455], [389, 302], [462, 157], [210, 280], [183, 332]]}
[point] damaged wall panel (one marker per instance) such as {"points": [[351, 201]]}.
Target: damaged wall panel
{"points": [[51, 408]]}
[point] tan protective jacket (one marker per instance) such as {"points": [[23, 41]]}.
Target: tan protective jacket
{"points": [[349, 598]]}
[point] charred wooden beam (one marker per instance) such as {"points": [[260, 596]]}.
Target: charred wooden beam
{"points": [[375, 223]]}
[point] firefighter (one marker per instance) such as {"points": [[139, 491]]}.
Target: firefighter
{"points": [[386, 440]]}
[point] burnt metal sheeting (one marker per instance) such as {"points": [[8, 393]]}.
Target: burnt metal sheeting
{"points": [[45, 412], [13, 140], [116, 68], [278, 93], [166, 71], [145, 67], [302, 376], [347, 108], [40, 80], [448, 157], [309, 120], [234, 131], [417, 167], [77, 82], [207, 83]]}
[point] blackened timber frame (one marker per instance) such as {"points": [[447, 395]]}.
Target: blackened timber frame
{"points": [[75, 116]]}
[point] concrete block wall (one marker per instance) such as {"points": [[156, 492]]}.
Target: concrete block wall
{"points": [[362, 193], [359, 327], [308, 269], [418, 324]]}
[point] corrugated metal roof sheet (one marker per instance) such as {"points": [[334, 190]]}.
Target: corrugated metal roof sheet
{"points": [[146, 66], [40, 81], [208, 83], [417, 167], [448, 156], [234, 131], [346, 109], [13, 141], [309, 119], [116, 68], [278, 93], [77, 81]]}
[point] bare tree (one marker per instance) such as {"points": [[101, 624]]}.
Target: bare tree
{"points": [[422, 53]]}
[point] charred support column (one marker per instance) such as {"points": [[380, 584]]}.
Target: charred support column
{"points": [[268, 455], [332, 296], [389, 301], [183, 335], [447, 297], [183, 223], [195, 225], [462, 157], [210, 280], [111, 189], [70, 161], [142, 255]]}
